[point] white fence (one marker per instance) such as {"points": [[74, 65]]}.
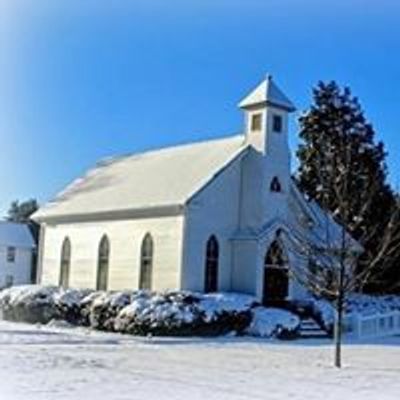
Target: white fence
{"points": [[378, 325]]}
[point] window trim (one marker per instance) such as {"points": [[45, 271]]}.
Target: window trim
{"points": [[146, 262], [277, 123], [275, 256], [211, 265], [65, 263], [256, 122], [275, 185], [103, 263], [11, 254]]}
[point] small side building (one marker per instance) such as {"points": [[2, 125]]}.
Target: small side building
{"points": [[16, 254]]}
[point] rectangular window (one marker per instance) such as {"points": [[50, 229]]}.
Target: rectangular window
{"points": [[277, 123], [10, 254], [256, 120]]}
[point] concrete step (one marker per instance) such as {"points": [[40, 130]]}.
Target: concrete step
{"points": [[313, 329], [309, 329], [309, 325], [321, 335]]}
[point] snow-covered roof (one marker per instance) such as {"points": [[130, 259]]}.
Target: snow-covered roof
{"points": [[267, 92], [328, 231], [153, 179], [15, 235]]}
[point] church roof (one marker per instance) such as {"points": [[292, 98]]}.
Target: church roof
{"points": [[267, 92], [15, 235], [149, 180]]}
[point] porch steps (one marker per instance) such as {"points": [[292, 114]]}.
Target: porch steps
{"points": [[309, 329]]}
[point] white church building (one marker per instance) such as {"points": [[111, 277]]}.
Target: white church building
{"points": [[205, 216]]}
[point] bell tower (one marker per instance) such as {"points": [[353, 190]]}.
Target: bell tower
{"points": [[266, 115], [266, 111]]}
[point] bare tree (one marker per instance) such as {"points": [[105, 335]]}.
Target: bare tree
{"points": [[333, 264]]}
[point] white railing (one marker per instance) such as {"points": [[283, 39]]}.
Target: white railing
{"points": [[378, 325]]}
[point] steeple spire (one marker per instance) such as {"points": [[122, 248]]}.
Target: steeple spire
{"points": [[267, 93]]}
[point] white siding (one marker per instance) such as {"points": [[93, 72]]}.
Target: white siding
{"points": [[245, 266], [125, 243], [20, 270], [214, 210]]}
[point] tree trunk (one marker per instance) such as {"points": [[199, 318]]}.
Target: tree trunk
{"points": [[339, 303], [339, 329]]}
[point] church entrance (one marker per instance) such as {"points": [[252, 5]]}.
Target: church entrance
{"points": [[276, 276]]}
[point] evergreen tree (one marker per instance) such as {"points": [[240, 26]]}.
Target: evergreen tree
{"points": [[341, 163], [21, 212]]}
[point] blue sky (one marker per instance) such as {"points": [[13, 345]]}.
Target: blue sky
{"points": [[81, 80]]}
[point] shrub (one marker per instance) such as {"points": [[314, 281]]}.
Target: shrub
{"points": [[173, 313]]}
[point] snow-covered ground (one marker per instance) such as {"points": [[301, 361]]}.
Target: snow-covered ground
{"points": [[43, 363]]}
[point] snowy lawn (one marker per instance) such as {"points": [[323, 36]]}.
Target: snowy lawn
{"points": [[73, 363]]}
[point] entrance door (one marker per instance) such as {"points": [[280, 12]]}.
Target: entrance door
{"points": [[276, 275], [276, 284]]}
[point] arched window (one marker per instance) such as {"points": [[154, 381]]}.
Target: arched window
{"points": [[275, 185], [65, 263], [211, 267], [146, 262], [103, 263], [275, 255]]}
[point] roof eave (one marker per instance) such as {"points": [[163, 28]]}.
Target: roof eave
{"points": [[137, 213], [267, 103]]}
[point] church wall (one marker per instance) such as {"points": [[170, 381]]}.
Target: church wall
{"points": [[276, 164], [125, 244], [215, 210], [251, 211], [245, 266]]}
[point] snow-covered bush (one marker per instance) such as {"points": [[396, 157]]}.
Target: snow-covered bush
{"points": [[274, 322], [176, 313], [70, 304], [370, 305], [30, 303], [103, 307], [183, 313]]}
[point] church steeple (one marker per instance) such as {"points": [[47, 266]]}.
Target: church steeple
{"points": [[267, 93], [266, 111]]}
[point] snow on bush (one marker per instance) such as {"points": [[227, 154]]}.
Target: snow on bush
{"points": [[175, 313], [70, 305], [216, 303], [103, 308], [324, 314], [183, 313], [158, 313], [323, 311], [370, 305], [273, 322], [29, 303]]}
